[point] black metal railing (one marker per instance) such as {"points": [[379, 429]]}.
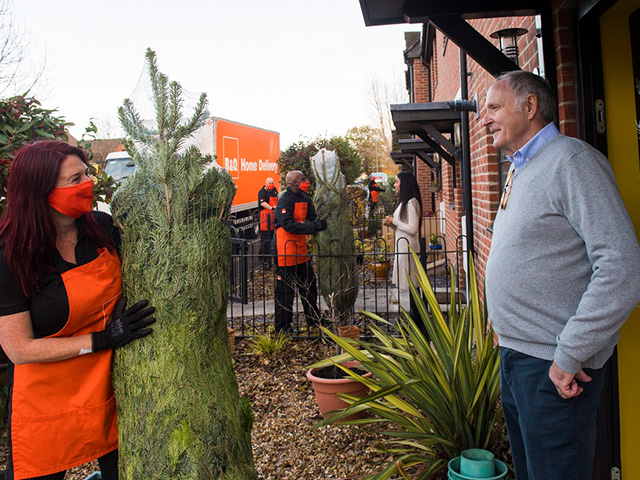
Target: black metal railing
{"points": [[252, 291]]}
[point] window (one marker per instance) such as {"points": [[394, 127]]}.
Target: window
{"points": [[503, 169]]}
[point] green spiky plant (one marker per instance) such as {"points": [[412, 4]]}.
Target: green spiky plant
{"points": [[179, 412], [337, 270], [440, 396]]}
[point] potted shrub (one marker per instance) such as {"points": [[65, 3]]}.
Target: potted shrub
{"points": [[380, 266], [440, 391], [381, 250], [337, 270], [433, 242]]}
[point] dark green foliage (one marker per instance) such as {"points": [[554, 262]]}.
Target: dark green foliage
{"points": [[22, 121], [337, 273], [297, 155], [179, 413]]}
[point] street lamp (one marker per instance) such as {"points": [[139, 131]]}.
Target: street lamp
{"points": [[509, 41]]}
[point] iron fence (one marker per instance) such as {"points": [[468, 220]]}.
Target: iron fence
{"points": [[251, 307]]}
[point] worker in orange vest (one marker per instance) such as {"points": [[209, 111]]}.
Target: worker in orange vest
{"points": [[374, 194], [295, 219], [267, 201]]}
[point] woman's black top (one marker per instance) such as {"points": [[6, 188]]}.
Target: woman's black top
{"points": [[49, 305]]}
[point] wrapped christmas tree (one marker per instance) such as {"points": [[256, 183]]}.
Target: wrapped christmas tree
{"points": [[337, 271], [179, 412]]}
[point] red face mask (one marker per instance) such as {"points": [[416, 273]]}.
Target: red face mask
{"points": [[304, 186], [73, 201], [271, 187]]}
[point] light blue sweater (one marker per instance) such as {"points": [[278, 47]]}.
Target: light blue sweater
{"points": [[564, 269]]}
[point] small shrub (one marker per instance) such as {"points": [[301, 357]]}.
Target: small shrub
{"points": [[269, 344]]}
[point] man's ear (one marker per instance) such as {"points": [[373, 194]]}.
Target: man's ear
{"points": [[531, 106]]}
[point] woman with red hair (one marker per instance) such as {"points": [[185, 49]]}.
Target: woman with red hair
{"points": [[61, 316]]}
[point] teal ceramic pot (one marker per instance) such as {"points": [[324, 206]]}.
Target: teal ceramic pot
{"points": [[454, 471], [477, 463]]}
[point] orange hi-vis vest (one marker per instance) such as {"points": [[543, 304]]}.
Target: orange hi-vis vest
{"points": [[268, 217], [292, 248], [374, 196], [64, 413]]}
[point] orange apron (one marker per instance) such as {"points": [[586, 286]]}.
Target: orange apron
{"points": [[374, 196], [294, 246], [268, 217], [64, 413]]}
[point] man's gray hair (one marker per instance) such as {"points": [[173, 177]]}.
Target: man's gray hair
{"points": [[524, 84]]}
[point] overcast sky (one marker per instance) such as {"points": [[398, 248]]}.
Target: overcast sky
{"points": [[298, 67]]}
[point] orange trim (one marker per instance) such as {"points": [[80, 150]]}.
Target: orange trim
{"points": [[294, 246], [268, 217]]}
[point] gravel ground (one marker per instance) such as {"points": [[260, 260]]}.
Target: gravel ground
{"points": [[284, 445]]}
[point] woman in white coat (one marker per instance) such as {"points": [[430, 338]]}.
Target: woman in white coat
{"points": [[406, 222]]}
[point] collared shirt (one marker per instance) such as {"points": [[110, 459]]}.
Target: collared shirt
{"points": [[523, 155]]}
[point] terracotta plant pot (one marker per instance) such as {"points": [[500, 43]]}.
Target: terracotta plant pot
{"points": [[381, 269], [232, 339], [350, 331], [327, 390]]}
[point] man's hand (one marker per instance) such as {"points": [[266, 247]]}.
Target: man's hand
{"points": [[321, 225], [566, 383]]}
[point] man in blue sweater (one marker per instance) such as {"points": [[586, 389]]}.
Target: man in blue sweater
{"points": [[562, 277]]}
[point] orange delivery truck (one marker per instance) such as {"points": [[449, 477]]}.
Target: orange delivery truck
{"points": [[249, 154]]}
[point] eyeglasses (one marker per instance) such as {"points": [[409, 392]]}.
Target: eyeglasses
{"points": [[506, 192]]}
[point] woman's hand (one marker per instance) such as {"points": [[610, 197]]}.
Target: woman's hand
{"points": [[124, 325], [388, 221]]}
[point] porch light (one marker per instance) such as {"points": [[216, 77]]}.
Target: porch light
{"points": [[509, 41]]}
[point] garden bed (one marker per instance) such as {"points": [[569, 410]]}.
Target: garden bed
{"points": [[285, 446]]}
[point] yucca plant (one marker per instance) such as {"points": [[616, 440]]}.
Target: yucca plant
{"points": [[440, 396]]}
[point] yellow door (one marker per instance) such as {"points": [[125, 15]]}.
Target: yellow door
{"points": [[619, 30]]}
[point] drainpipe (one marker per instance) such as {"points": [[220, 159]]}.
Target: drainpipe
{"points": [[467, 197]]}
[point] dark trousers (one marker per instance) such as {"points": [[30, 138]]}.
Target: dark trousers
{"points": [[266, 247], [287, 279], [551, 438], [372, 207], [108, 468]]}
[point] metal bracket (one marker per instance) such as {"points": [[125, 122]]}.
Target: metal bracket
{"points": [[600, 118], [616, 474]]}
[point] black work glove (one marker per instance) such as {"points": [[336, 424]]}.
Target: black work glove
{"points": [[124, 326], [321, 225]]}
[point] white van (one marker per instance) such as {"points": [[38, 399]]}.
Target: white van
{"points": [[119, 165]]}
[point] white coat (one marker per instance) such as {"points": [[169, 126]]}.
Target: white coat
{"points": [[407, 233]]}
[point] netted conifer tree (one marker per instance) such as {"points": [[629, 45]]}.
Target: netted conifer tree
{"points": [[337, 272], [179, 412]]}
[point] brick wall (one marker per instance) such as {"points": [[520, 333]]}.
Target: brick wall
{"points": [[445, 79], [484, 163], [564, 40]]}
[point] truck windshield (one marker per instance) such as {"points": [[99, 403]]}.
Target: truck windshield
{"points": [[120, 168]]}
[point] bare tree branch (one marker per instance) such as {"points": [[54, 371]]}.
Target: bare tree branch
{"points": [[382, 94], [17, 75]]}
